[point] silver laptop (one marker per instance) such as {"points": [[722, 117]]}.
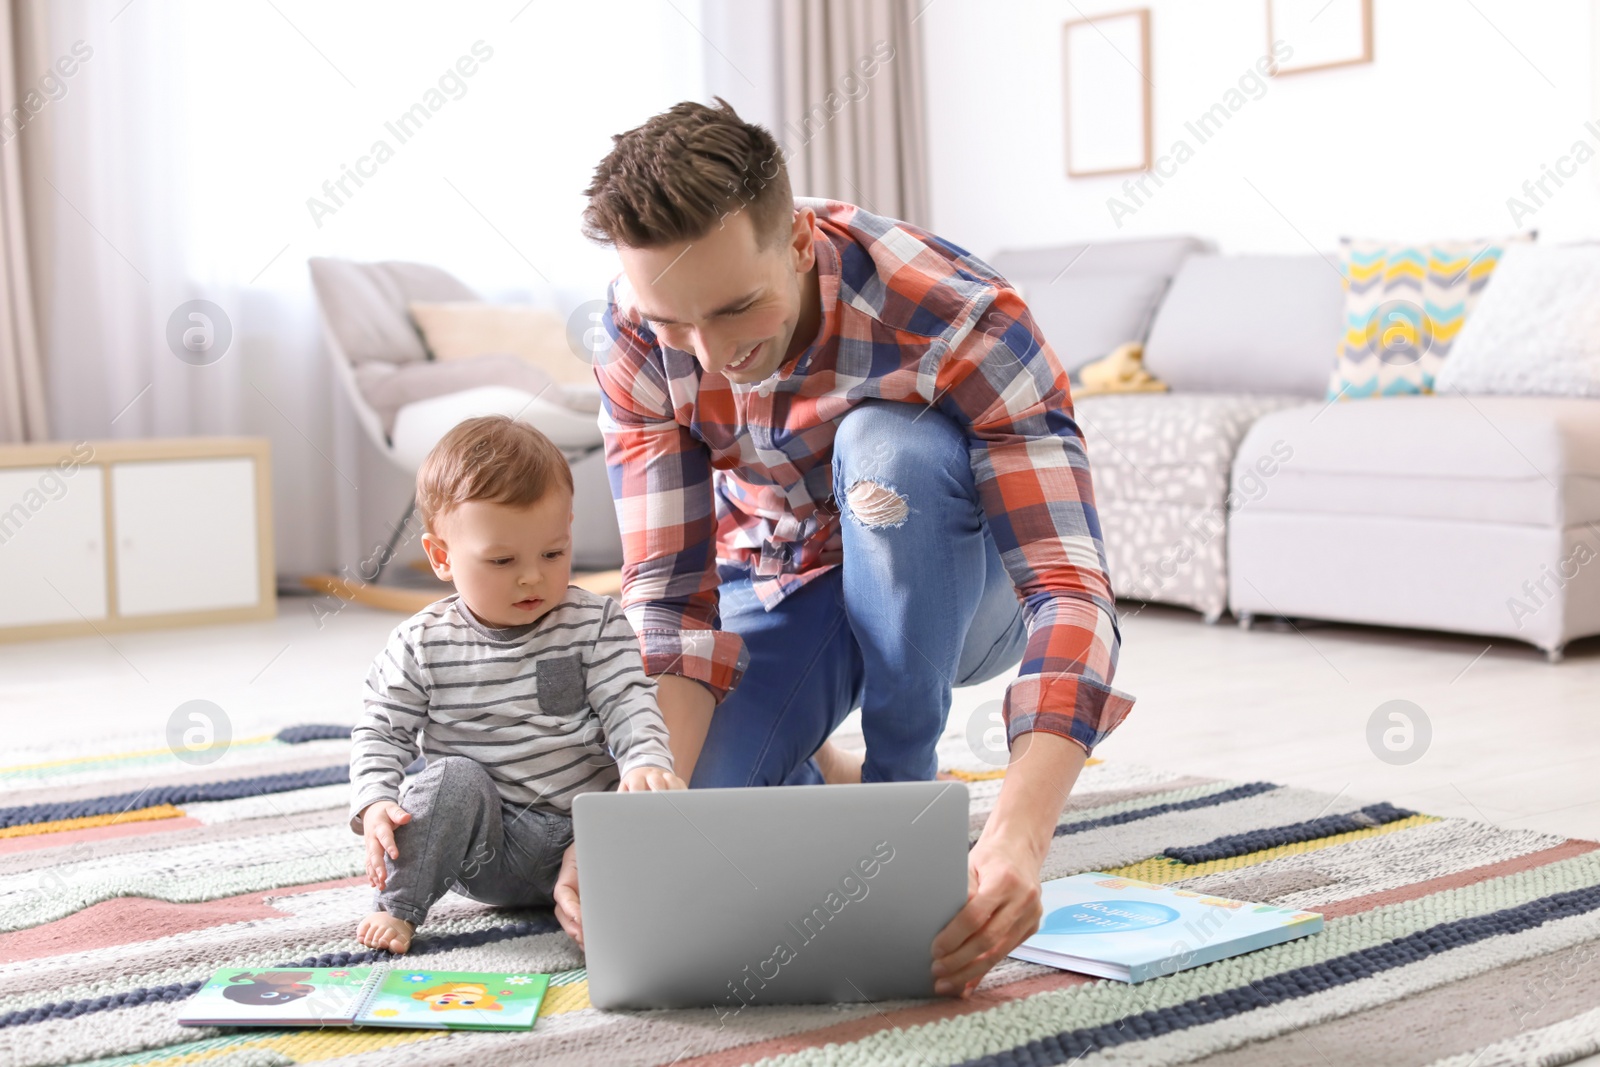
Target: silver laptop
{"points": [[788, 895]]}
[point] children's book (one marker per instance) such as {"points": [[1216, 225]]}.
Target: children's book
{"points": [[363, 996], [1129, 930]]}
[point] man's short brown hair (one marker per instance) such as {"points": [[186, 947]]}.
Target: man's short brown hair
{"points": [[684, 171], [491, 457]]}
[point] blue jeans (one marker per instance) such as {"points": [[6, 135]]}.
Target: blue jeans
{"points": [[921, 603]]}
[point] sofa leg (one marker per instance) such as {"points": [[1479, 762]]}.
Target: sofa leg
{"points": [[1556, 654], [1246, 620], [1211, 618]]}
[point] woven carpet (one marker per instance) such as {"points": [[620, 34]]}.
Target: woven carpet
{"points": [[126, 878]]}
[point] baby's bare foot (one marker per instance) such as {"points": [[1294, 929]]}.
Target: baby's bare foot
{"points": [[382, 930]]}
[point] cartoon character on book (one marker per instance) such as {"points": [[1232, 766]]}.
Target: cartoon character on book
{"points": [[268, 989], [458, 996]]}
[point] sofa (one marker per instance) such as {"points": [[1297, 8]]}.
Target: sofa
{"points": [[1475, 514], [1244, 489]]}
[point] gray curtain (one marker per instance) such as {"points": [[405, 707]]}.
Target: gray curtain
{"points": [[853, 104], [22, 396]]}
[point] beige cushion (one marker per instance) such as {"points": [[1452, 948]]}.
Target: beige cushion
{"points": [[469, 328]]}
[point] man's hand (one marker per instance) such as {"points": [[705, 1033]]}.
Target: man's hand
{"points": [[647, 779], [1003, 908], [1001, 912], [566, 895], [378, 821]]}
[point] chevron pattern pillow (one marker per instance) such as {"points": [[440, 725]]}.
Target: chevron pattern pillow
{"points": [[1404, 306]]}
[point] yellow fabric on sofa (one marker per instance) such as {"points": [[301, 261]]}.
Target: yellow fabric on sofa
{"points": [[1404, 306], [1120, 372]]}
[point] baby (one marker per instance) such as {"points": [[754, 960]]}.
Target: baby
{"points": [[514, 687]]}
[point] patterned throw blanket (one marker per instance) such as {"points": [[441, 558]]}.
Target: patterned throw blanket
{"points": [[128, 878]]}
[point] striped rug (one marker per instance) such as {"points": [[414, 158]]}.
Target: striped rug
{"points": [[127, 878]]}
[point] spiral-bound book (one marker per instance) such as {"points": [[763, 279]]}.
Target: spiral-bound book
{"points": [[364, 996]]}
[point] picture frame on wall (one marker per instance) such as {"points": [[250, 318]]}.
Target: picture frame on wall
{"points": [[1106, 88], [1320, 34]]}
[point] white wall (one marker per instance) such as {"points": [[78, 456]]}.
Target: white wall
{"points": [[1428, 141], [742, 58], [195, 139]]}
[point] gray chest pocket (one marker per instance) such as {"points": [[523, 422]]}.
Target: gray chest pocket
{"points": [[560, 682]]}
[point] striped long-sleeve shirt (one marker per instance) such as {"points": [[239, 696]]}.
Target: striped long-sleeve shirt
{"points": [[537, 705], [704, 470]]}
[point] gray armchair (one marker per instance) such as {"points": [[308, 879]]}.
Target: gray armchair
{"points": [[405, 401]]}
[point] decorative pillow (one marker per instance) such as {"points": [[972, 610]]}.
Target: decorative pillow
{"points": [[1537, 330], [1404, 306], [468, 328]]}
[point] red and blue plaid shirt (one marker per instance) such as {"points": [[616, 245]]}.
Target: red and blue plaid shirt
{"points": [[704, 470]]}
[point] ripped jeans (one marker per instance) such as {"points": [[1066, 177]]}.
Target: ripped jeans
{"points": [[921, 604]]}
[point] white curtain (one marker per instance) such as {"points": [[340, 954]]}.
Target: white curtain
{"points": [[23, 415], [853, 104], [205, 150]]}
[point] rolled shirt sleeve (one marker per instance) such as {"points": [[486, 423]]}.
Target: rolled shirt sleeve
{"points": [[661, 484], [1001, 381]]}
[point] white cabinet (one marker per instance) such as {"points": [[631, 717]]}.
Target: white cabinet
{"points": [[186, 535], [102, 536], [52, 545]]}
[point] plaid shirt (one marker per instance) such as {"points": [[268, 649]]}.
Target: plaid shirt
{"points": [[704, 470]]}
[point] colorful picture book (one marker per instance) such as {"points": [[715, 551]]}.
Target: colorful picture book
{"points": [[364, 996], [1129, 930]]}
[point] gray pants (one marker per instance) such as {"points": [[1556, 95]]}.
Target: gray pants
{"points": [[463, 836]]}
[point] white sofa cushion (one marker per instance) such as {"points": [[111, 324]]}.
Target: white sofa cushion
{"points": [[388, 387], [1536, 329], [1515, 460], [419, 426], [1248, 324], [1088, 299]]}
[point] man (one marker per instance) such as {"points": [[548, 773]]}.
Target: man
{"points": [[847, 474]]}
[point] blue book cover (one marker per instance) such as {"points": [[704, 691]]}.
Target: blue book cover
{"points": [[1129, 930]]}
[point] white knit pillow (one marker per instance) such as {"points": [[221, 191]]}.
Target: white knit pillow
{"points": [[1536, 329]]}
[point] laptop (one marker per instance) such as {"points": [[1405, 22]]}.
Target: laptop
{"points": [[799, 894]]}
